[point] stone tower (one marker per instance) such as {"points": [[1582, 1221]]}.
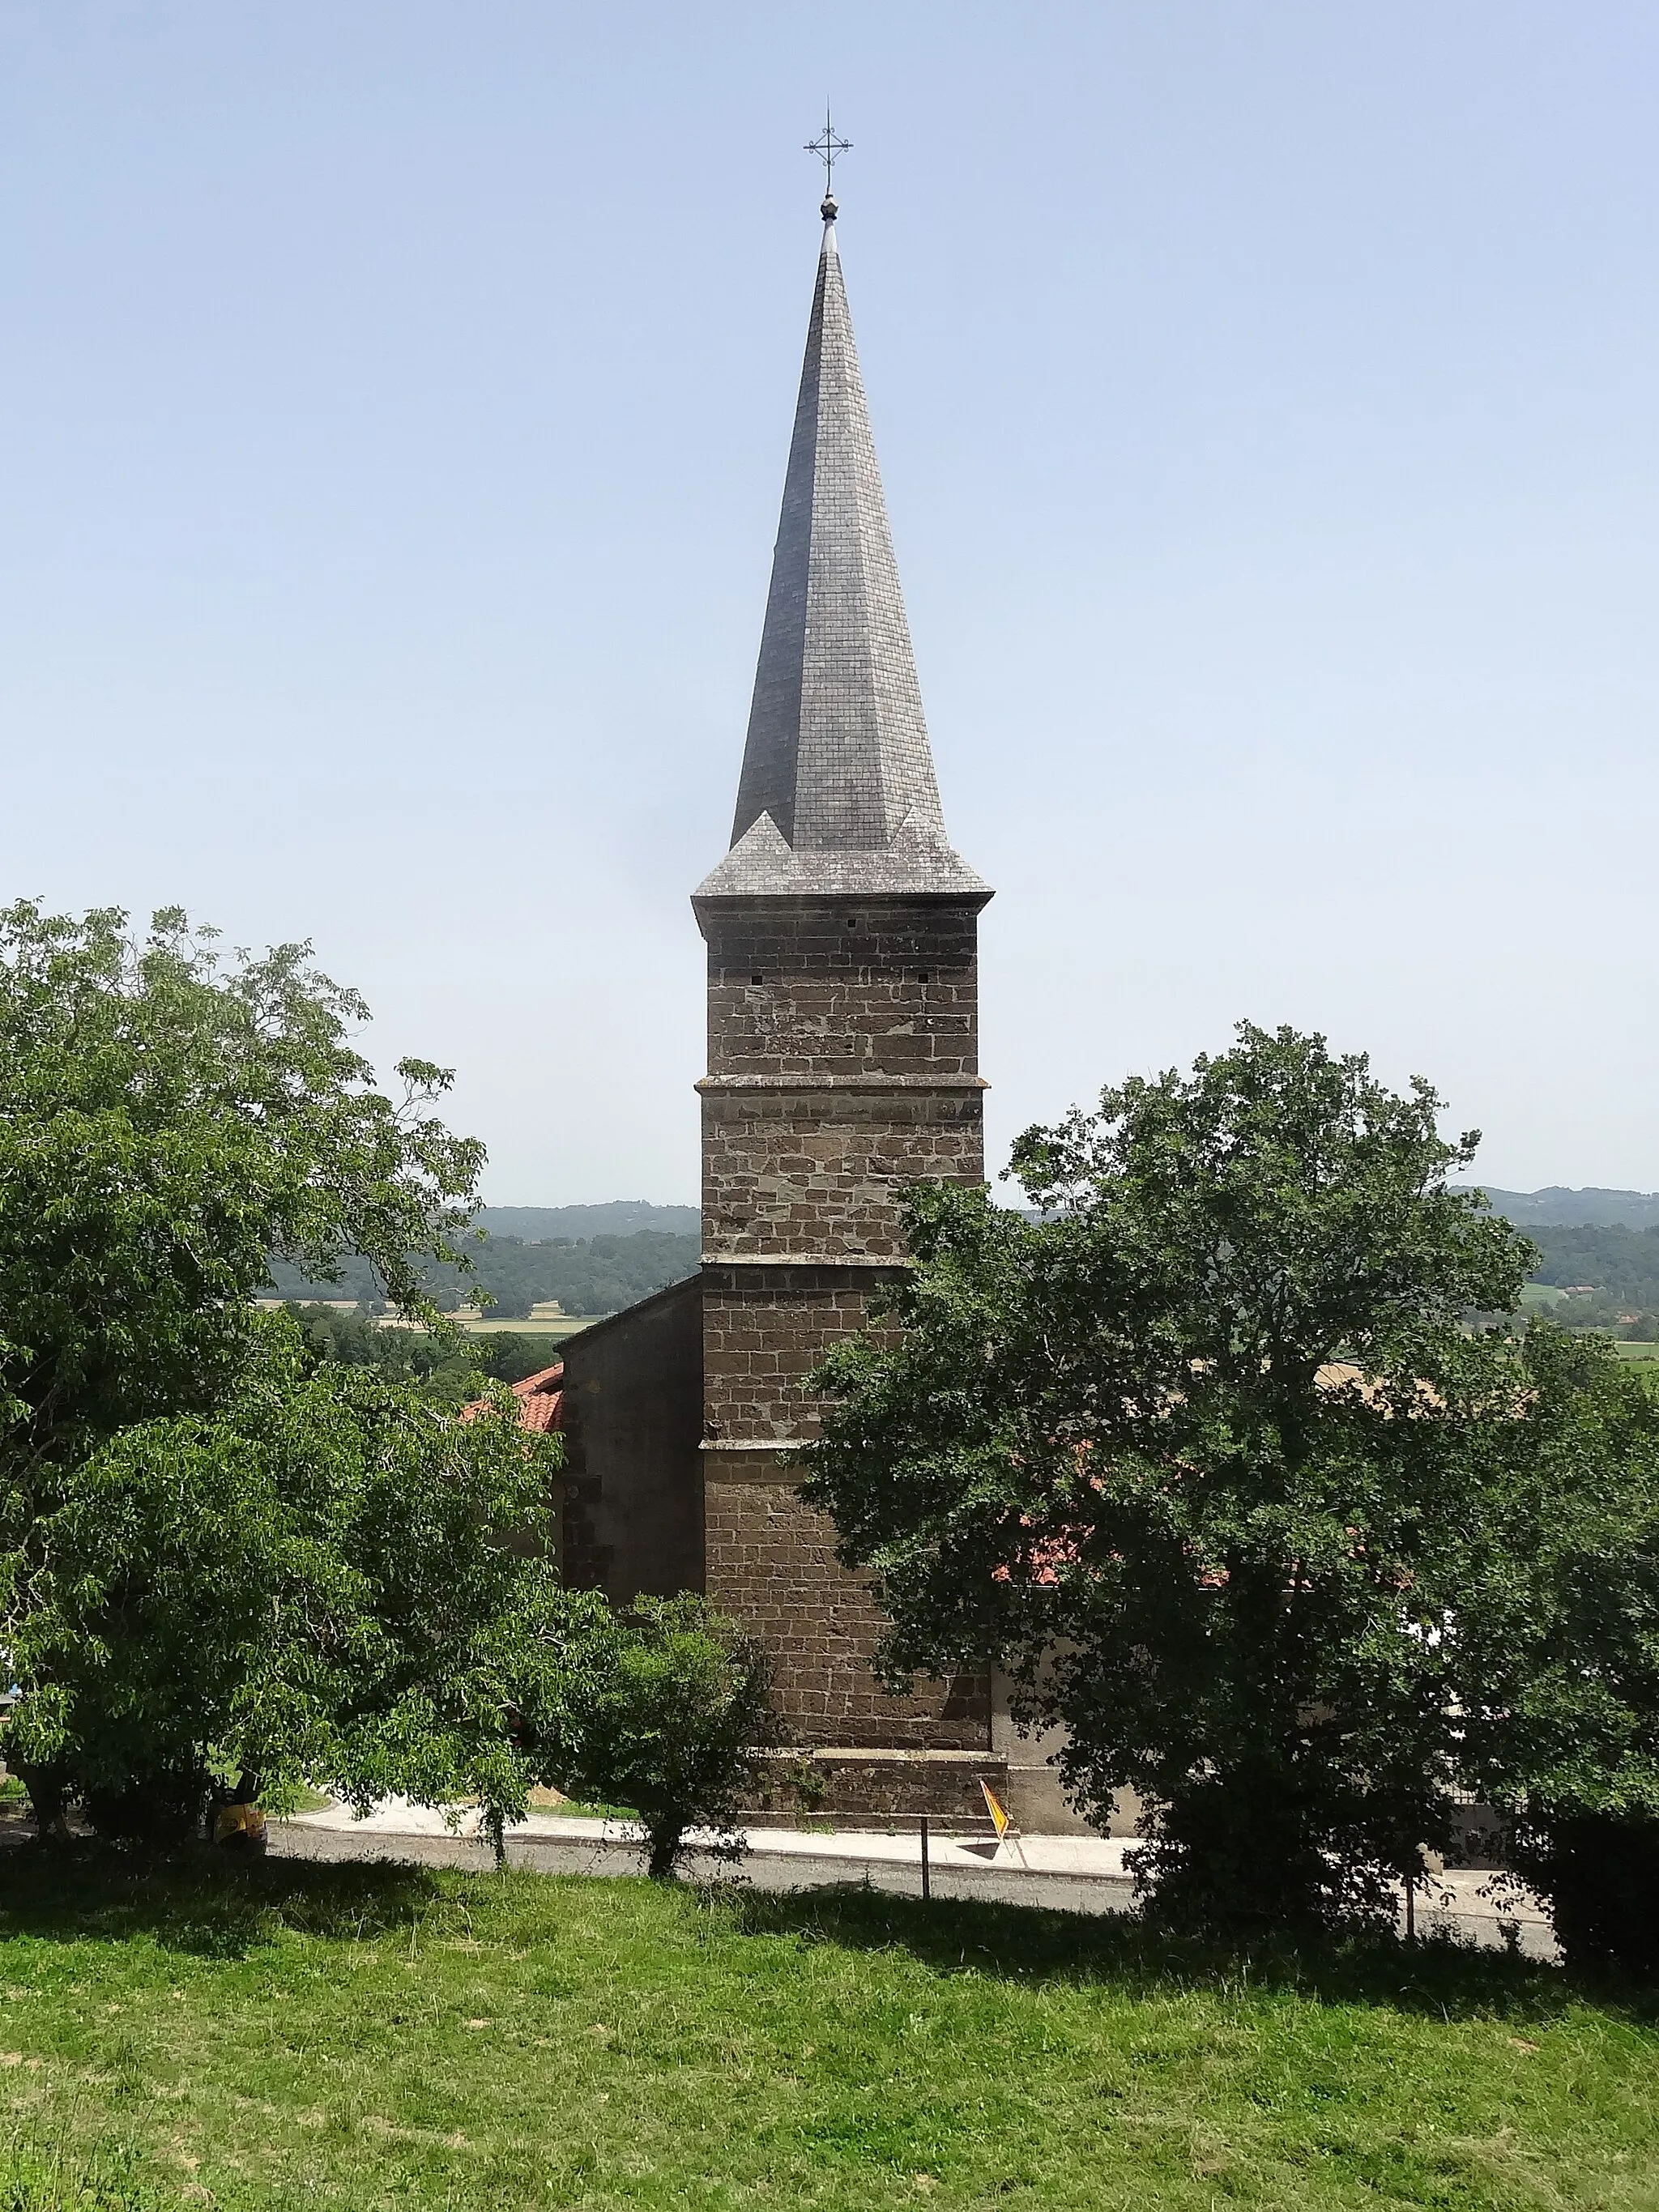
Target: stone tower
{"points": [[842, 1063]]}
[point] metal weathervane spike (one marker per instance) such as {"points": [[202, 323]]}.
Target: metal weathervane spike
{"points": [[829, 146]]}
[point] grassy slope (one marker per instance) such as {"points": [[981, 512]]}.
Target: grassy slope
{"points": [[294, 2035]]}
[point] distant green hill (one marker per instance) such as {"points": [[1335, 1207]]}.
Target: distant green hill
{"points": [[617, 1217], [586, 1275], [598, 1258], [1602, 1244], [1621, 1262], [1576, 1209]]}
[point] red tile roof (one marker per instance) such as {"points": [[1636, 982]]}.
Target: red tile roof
{"points": [[539, 1395]]}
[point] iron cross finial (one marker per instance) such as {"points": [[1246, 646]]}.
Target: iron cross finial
{"points": [[829, 146]]}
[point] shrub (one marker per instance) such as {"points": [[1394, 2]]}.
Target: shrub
{"points": [[1598, 1874], [671, 1718]]}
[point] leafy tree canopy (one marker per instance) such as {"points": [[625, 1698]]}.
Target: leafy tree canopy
{"points": [[170, 1116], [1550, 1598], [1553, 1598], [673, 1721], [327, 1579], [1180, 1455], [307, 1584], [223, 1555]]}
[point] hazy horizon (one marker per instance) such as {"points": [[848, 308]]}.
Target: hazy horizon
{"points": [[521, 1204]]}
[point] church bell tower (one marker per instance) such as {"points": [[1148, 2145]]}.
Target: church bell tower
{"points": [[841, 931]]}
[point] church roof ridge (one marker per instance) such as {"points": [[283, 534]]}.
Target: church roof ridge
{"points": [[838, 793]]}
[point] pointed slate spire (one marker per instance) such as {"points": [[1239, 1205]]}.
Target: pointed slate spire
{"points": [[837, 791]]}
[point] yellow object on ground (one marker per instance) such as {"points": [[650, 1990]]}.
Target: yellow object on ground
{"points": [[998, 1811], [240, 1827]]}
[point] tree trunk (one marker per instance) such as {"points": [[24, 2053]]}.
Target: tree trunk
{"points": [[48, 1802], [665, 1852]]}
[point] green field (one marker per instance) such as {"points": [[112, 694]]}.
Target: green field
{"points": [[552, 1326], [284, 2035]]}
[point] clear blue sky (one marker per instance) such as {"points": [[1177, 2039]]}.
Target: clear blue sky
{"points": [[395, 396]]}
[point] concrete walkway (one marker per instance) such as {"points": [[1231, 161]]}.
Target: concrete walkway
{"points": [[1068, 1873]]}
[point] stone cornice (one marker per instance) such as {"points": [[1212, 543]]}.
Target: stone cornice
{"points": [[896, 1263], [717, 1084], [751, 1460]]}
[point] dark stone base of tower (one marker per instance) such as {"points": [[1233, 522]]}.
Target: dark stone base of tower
{"points": [[630, 1504], [649, 1505]]}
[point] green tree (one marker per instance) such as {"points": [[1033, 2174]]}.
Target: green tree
{"points": [[451, 1365], [169, 1117], [510, 1357], [1179, 1454], [229, 1549], [671, 1718], [307, 1584], [1551, 1597]]}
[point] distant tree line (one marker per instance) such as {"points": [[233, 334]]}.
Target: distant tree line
{"points": [[1600, 1312], [1622, 1262], [616, 1216], [584, 1275], [450, 1373]]}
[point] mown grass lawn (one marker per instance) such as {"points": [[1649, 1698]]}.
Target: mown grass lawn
{"points": [[299, 2035]]}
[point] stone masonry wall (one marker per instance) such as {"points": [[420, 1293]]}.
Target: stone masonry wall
{"points": [[771, 1560], [842, 1064], [631, 1492], [763, 1329], [798, 990], [809, 1173], [842, 1057]]}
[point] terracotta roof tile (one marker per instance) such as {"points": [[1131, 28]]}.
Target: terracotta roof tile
{"points": [[539, 1395]]}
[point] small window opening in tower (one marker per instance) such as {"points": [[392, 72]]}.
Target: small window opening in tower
{"points": [[758, 979], [852, 921], [923, 976]]}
